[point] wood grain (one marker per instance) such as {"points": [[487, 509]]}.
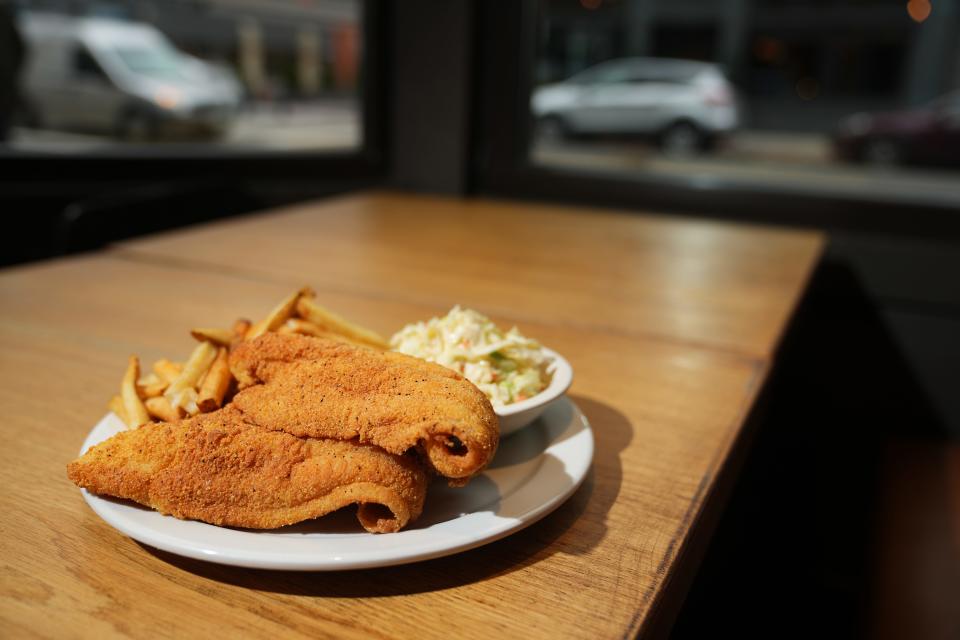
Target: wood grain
{"points": [[665, 415], [723, 286]]}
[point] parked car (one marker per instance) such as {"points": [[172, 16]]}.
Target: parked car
{"points": [[929, 134], [684, 105], [125, 78]]}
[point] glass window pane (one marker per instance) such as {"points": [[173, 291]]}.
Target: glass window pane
{"points": [[853, 98], [216, 75]]}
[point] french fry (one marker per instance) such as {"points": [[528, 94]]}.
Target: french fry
{"points": [[198, 363], [159, 407], [279, 314], [202, 383], [151, 385], [223, 337], [240, 328], [327, 320], [215, 384], [188, 401], [136, 412], [307, 328], [168, 371], [116, 405]]}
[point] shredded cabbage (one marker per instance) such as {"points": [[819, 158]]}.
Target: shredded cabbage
{"points": [[506, 366]]}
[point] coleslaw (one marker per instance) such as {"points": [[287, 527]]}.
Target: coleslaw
{"points": [[506, 366]]}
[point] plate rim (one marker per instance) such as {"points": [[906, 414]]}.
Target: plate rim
{"points": [[575, 446]]}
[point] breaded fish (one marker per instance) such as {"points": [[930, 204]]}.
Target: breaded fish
{"points": [[221, 469], [326, 389]]}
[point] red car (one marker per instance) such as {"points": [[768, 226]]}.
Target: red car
{"points": [[923, 135]]}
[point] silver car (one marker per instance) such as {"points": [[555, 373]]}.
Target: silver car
{"points": [[684, 105], [124, 78]]}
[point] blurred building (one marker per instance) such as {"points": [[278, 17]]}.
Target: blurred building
{"points": [[279, 48], [798, 64]]}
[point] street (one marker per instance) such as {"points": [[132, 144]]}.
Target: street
{"points": [[319, 125], [772, 160], [794, 161]]}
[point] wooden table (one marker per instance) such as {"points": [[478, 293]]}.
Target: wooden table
{"points": [[670, 326], [724, 286]]}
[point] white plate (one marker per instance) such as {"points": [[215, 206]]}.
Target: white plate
{"points": [[534, 471]]}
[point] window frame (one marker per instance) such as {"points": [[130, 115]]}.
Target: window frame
{"points": [[502, 167]]}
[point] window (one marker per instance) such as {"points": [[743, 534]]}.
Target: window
{"points": [[805, 111], [838, 98], [84, 65], [204, 110], [189, 77]]}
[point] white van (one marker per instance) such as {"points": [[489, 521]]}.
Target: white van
{"points": [[122, 78]]}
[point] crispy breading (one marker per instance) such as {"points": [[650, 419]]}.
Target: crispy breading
{"points": [[221, 469], [320, 388]]}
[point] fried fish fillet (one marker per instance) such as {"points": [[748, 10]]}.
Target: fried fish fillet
{"points": [[326, 389], [221, 469]]}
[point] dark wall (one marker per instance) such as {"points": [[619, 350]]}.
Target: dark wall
{"points": [[432, 81], [47, 219], [915, 287]]}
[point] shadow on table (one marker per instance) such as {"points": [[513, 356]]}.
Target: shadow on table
{"points": [[576, 527]]}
